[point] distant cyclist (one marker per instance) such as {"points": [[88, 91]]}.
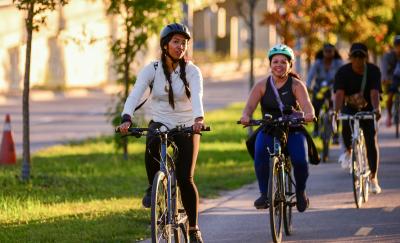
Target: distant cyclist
{"points": [[348, 99], [391, 75], [320, 79]]}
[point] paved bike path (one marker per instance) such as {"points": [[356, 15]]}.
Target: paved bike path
{"points": [[332, 216]]}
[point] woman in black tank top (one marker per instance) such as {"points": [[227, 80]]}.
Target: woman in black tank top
{"points": [[293, 92]]}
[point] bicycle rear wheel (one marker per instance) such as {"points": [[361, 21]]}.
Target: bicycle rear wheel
{"points": [[356, 174], [275, 193], [287, 212], [181, 230], [160, 229]]}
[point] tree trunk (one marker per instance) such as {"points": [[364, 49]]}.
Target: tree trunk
{"points": [[252, 4], [26, 156], [126, 79]]}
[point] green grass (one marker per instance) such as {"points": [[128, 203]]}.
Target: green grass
{"points": [[86, 192]]}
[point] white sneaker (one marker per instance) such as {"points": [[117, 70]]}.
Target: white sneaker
{"points": [[345, 161], [375, 188]]}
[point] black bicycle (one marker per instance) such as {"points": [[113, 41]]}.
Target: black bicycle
{"points": [[169, 222], [281, 183], [325, 118]]}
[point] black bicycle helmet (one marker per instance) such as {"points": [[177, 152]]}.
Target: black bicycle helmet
{"points": [[175, 28]]}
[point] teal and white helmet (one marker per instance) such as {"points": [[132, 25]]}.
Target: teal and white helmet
{"points": [[281, 49]]}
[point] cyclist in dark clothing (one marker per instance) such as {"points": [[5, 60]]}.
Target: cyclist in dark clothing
{"points": [[348, 81], [292, 92]]}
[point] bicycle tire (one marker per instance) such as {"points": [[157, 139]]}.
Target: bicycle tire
{"points": [[181, 229], [396, 115], [287, 212], [366, 170], [275, 190], [326, 134], [160, 230], [356, 175]]}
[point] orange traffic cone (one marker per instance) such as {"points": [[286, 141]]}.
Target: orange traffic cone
{"points": [[7, 149]]}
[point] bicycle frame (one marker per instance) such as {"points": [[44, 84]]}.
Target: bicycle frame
{"points": [[283, 166], [355, 128], [164, 168]]}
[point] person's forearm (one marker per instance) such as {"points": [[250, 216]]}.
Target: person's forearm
{"points": [[339, 97], [375, 99], [249, 109]]}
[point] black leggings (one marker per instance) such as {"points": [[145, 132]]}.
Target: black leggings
{"points": [[184, 167], [371, 141]]}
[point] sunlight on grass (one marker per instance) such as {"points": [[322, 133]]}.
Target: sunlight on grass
{"points": [[33, 209]]}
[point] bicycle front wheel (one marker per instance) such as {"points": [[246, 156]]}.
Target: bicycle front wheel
{"points": [[364, 168], [357, 174], [396, 115], [275, 194], [160, 228], [326, 133], [287, 213]]}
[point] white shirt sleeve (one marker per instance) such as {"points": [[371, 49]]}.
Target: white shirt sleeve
{"points": [[143, 80], [195, 80]]}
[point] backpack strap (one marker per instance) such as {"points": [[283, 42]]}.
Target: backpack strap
{"points": [[364, 79], [155, 65]]}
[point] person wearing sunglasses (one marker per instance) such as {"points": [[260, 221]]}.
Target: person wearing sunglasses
{"points": [[360, 80]]}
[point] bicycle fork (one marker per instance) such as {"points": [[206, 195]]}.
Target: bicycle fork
{"points": [[280, 169]]}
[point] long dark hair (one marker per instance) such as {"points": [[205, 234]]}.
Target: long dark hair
{"points": [[320, 54], [182, 64]]}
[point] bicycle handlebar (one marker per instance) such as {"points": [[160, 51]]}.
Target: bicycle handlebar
{"points": [[280, 121], [139, 131], [362, 115]]}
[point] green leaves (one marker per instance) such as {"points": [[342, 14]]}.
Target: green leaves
{"points": [[39, 7], [366, 21]]}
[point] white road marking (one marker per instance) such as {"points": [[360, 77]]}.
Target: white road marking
{"points": [[363, 231]]}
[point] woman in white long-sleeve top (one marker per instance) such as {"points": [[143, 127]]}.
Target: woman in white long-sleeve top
{"points": [[176, 100]]}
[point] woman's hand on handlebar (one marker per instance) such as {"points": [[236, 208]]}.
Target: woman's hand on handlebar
{"points": [[245, 120], [123, 128], [198, 124]]}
